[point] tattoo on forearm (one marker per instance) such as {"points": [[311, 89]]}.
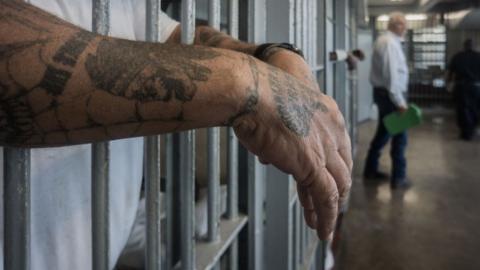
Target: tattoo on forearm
{"points": [[140, 76], [296, 103], [252, 94], [148, 73]]}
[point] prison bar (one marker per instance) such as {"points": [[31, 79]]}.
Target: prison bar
{"points": [[17, 208], [169, 167], [232, 152], [100, 165], [213, 144], [256, 34], [187, 160], [153, 259]]}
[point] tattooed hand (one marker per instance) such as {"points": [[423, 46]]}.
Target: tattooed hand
{"points": [[302, 132]]}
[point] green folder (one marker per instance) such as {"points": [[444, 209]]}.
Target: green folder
{"points": [[397, 122]]}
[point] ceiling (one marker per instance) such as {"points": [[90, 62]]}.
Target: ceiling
{"points": [[415, 6], [390, 2]]}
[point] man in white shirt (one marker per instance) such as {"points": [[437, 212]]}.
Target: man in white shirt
{"points": [[62, 85], [389, 77]]}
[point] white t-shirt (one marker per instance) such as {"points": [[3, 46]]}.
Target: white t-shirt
{"points": [[389, 67], [60, 177]]}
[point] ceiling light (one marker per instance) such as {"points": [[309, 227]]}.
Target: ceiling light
{"points": [[416, 17]]}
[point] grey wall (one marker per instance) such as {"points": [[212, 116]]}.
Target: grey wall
{"points": [[365, 100]]}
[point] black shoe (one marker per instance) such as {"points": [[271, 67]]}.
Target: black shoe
{"points": [[400, 184], [378, 176]]}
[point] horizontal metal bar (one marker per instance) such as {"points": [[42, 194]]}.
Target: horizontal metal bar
{"points": [[16, 208], [209, 254]]}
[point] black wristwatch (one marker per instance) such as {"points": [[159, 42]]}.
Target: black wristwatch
{"points": [[262, 51]]}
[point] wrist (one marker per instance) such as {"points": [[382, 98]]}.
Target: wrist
{"points": [[264, 51]]}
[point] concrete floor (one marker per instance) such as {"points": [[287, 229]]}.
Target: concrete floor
{"points": [[433, 226]]}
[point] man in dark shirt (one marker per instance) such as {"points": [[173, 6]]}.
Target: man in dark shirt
{"points": [[464, 69]]}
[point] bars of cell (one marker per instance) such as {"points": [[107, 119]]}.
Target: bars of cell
{"points": [[232, 150], [256, 34], [153, 259], [213, 144], [17, 208], [187, 162], [100, 166], [169, 193], [232, 142]]}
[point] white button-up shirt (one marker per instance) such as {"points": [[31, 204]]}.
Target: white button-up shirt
{"points": [[389, 67]]}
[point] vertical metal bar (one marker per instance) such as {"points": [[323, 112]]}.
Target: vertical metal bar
{"points": [[153, 258], [256, 33], [298, 23], [100, 209], [296, 259], [17, 208], [213, 144], [187, 159], [169, 201], [100, 166], [232, 152], [278, 233]]}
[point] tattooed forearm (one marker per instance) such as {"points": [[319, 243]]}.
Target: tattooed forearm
{"points": [[252, 93], [62, 85], [296, 103], [146, 72]]}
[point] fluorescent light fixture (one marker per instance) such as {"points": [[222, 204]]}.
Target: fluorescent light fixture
{"points": [[408, 17], [458, 15], [416, 17], [383, 18]]}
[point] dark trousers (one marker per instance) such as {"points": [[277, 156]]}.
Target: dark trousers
{"points": [[399, 141], [467, 106]]}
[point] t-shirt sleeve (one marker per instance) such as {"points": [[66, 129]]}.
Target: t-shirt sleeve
{"points": [[166, 26]]}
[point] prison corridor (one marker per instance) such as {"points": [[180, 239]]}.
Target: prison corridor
{"points": [[433, 225]]}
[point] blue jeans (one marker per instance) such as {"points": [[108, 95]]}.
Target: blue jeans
{"points": [[399, 141]]}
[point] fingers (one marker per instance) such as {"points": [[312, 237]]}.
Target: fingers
{"points": [[341, 174], [324, 194], [308, 209], [345, 150]]}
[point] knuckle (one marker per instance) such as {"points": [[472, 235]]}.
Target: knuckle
{"points": [[345, 188], [331, 201]]}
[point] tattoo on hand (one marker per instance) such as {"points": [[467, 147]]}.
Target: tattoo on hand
{"points": [[296, 103]]}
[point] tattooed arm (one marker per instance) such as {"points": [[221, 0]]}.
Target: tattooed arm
{"points": [[284, 59], [60, 85]]}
